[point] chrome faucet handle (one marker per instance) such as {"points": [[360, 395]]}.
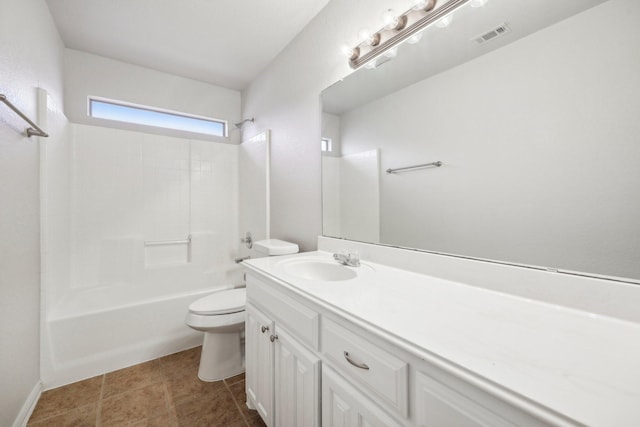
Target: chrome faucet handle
{"points": [[350, 259], [353, 260], [247, 240]]}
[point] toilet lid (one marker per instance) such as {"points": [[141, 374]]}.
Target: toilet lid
{"points": [[224, 302]]}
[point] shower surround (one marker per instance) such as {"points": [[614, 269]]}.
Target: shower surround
{"points": [[135, 227]]}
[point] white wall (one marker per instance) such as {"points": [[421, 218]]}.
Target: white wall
{"points": [[540, 157], [351, 196], [286, 99], [331, 178], [91, 75], [253, 183], [31, 52], [331, 130], [360, 196]]}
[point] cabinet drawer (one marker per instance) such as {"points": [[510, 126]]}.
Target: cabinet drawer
{"points": [[385, 375], [297, 318]]}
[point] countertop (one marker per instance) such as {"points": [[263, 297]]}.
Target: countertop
{"points": [[581, 365]]}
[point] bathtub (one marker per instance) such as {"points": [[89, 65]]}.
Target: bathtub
{"points": [[94, 331]]}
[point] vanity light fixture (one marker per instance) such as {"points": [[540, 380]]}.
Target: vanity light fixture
{"points": [[400, 27], [425, 5], [365, 37], [393, 21]]}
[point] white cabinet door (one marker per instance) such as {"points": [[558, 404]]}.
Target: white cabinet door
{"points": [[297, 376], [442, 400], [344, 406], [259, 363]]}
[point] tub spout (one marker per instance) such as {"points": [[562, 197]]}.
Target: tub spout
{"points": [[239, 260]]}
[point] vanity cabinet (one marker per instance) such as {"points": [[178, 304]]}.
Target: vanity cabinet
{"points": [[282, 374], [383, 375], [259, 362], [308, 365], [344, 406], [442, 399], [297, 383]]}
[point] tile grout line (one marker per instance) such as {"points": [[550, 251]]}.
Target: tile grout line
{"points": [[168, 403], [246, 421], [99, 405]]}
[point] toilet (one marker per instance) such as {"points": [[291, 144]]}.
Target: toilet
{"points": [[221, 317]]}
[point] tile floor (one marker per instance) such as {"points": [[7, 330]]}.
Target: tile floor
{"points": [[163, 392]]}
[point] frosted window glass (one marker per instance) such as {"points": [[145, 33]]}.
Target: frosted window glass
{"points": [[149, 117]]}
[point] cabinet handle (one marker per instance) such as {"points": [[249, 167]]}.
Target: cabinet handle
{"points": [[264, 329], [354, 363], [273, 338]]}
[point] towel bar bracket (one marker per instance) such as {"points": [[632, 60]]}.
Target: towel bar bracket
{"points": [[34, 130]]}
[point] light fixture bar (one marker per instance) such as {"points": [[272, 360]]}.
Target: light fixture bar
{"points": [[416, 20]]}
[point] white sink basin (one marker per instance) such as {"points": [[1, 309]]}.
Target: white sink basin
{"points": [[318, 270]]}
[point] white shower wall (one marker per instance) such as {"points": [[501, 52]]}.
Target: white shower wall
{"points": [[130, 187]]}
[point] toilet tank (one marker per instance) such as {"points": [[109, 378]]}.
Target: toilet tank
{"points": [[271, 247]]}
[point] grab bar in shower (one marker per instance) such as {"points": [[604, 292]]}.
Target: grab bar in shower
{"points": [[34, 129], [436, 164], [167, 242]]}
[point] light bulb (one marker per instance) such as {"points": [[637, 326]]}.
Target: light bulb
{"points": [[478, 3], [390, 18], [371, 65], [365, 36], [425, 5], [391, 53], [350, 52], [414, 38], [444, 22], [393, 21]]}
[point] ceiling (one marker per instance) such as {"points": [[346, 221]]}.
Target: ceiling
{"points": [[223, 42]]}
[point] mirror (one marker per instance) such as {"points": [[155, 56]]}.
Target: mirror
{"points": [[537, 129]]}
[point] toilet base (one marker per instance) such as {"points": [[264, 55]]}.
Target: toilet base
{"points": [[222, 356]]}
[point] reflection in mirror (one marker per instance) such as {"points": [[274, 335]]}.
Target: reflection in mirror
{"points": [[538, 132]]}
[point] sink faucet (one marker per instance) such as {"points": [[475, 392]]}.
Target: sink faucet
{"points": [[352, 260]]}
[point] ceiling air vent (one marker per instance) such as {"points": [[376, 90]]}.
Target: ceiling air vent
{"points": [[498, 31]]}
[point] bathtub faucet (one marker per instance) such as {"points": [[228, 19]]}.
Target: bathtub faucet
{"points": [[239, 260]]}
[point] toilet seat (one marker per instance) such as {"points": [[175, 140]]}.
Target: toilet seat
{"points": [[218, 303], [222, 323]]}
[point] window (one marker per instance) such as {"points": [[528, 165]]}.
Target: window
{"points": [[149, 116], [325, 144]]}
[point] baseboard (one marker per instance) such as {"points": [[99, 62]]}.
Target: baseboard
{"points": [[28, 406]]}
